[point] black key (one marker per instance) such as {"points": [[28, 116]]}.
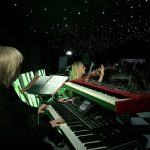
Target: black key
{"points": [[74, 123], [95, 145], [82, 133], [89, 138], [78, 128]]}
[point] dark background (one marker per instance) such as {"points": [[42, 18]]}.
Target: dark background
{"points": [[99, 30]]}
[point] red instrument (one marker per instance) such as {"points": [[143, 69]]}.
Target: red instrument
{"points": [[122, 102]]}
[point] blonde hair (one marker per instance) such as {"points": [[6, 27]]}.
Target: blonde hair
{"points": [[75, 72], [10, 60]]}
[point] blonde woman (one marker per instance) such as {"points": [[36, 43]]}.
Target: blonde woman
{"points": [[78, 71], [17, 129]]}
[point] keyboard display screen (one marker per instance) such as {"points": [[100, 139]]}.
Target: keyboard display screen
{"points": [[84, 105]]}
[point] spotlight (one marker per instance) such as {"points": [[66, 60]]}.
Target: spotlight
{"points": [[69, 53]]}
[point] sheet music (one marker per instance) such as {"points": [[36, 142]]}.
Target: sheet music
{"points": [[53, 84], [47, 84]]}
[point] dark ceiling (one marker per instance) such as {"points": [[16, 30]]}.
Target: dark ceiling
{"points": [[106, 29]]}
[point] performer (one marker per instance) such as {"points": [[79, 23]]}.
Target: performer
{"points": [[78, 71], [20, 128]]}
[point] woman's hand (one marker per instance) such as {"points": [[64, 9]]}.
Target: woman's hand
{"points": [[102, 70], [42, 108], [56, 122]]}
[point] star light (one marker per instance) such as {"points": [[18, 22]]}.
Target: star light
{"points": [[118, 17], [103, 12], [15, 4]]}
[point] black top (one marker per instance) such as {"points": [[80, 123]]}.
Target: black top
{"points": [[17, 128]]}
